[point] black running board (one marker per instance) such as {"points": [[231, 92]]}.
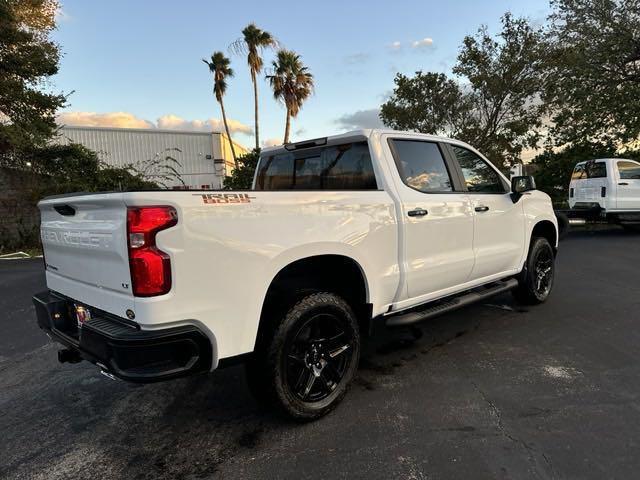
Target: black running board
{"points": [[434, 309]]}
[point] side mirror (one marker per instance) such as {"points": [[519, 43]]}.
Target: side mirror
{"points": [[520, 185]]}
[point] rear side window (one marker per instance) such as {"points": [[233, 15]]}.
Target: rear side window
{"points": [[339, 167], [589, 170], [629, 170], [421, 166], [478, 175]]}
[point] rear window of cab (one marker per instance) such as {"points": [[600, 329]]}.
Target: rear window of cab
{"points": [[338, 167], [589, 170]]}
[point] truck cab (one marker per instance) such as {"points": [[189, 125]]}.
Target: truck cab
{"points": [[609, 184]]}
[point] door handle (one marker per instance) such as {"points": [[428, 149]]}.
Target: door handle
{"points": [[418, 212], [66, 210], [481, 208], [623, 183]]}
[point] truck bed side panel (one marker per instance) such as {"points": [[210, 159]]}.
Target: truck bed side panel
{"points": [[228, 247]]}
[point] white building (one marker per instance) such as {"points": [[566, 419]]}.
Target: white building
{"points": [[204, 157]]}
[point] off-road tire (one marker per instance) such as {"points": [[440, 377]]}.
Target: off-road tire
{"points": [[268, 371], [528, 291]]}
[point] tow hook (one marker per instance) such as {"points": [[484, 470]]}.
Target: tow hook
{"points": [[68, 356]]}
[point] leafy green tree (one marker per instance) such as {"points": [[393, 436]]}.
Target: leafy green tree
{"points": [[242, 178], [254, 40], [292, 84], [429, 103], [28, 57], [74, 168], [593, 81], [494, 102], [219, 66]]}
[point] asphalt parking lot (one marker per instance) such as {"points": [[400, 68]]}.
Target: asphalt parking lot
{"points": [[491, 391]]}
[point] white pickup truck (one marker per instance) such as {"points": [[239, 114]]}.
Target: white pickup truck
{"points": [[605, 190], [337, 235]]}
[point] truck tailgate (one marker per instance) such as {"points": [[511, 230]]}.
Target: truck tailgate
{"points": [[85, 249]]}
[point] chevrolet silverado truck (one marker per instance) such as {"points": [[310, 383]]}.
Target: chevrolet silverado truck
{"points": [[339, 236]]}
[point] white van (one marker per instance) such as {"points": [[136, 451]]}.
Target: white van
{"points": [[609, 184]]}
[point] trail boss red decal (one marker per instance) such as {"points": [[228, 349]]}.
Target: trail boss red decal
{"points": [[217, 198]]}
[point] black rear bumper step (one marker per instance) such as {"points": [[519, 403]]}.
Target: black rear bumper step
{"points": [[434, 309], [122, 348]]}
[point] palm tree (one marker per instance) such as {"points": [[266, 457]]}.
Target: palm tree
{"points": [[254, 40], [291, 83], [219, 67]]}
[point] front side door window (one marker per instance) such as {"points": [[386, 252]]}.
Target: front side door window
{"points": [[478, 176], [498, 222]]}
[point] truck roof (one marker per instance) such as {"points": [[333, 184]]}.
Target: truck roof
{"points": [[362, 133], [603, 160]]}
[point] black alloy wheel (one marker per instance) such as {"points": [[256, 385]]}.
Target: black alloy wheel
{"points": [[306, 361], [535, 282], [543, 272], [317, 357]]}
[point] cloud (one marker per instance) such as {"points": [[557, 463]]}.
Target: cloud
{"points": [[174, 122], [112, 119], [61, 16], [357, 58], [361, 119], [167, 122], [271, 142], [384, 96], [417, 45], [422, 44]]}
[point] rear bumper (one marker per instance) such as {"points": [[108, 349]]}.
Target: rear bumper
{"points": [[590, 211], [119, 347]]}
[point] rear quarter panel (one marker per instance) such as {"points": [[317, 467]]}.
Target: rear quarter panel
{"points": [[225, 255]]}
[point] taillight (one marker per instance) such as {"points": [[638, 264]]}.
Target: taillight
{"points": [[571, 192], [603, 192], [150, 267]]}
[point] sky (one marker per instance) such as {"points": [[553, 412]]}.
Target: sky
{"points": [[139, 63]]}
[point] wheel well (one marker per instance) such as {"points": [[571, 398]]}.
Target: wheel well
{"points": [[546, 229], [329, 273]]}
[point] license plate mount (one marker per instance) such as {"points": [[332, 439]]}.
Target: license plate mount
{"points": [[83, 315]]}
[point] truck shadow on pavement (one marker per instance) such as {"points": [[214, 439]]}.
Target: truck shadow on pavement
{"points": [[394, 349], [74, 419]]}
